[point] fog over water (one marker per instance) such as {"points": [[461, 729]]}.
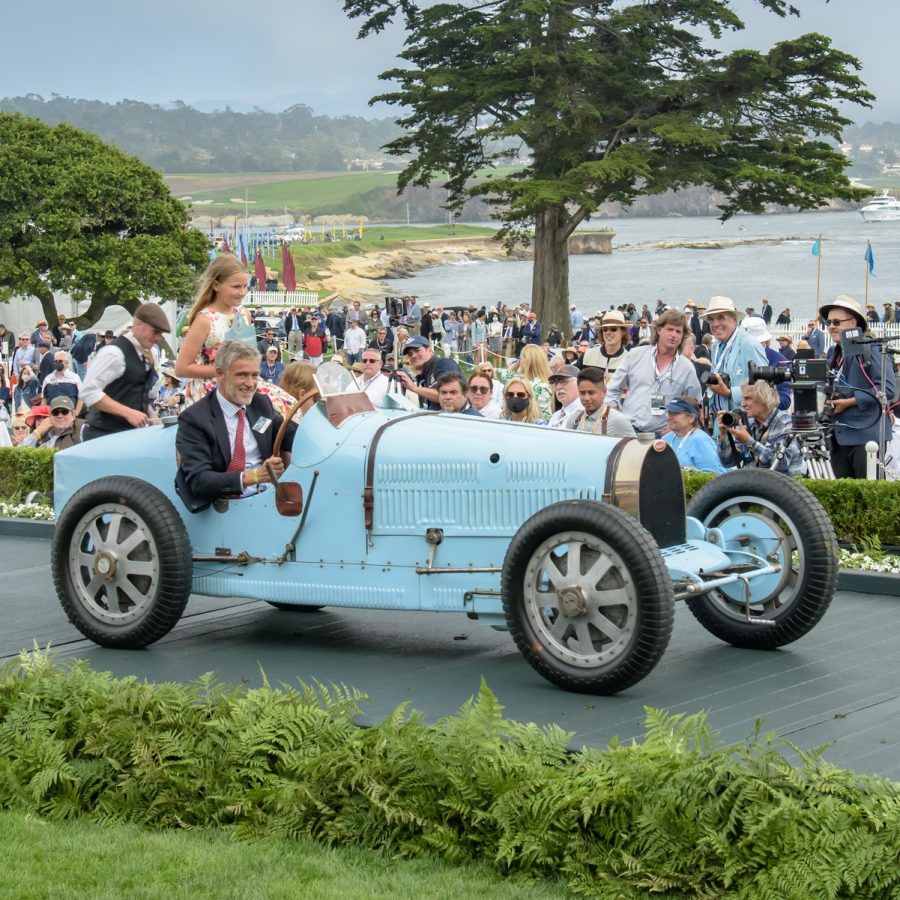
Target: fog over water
{"points": [[784, 272]]}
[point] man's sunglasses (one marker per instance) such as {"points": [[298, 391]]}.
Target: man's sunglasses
{"points": [[59, 412], [837, 321], [479, 390]]}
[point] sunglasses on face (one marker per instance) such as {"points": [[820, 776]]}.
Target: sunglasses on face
{"points": [[520, 394], [372, 360], [20, 428], [479, 390], [837, 321], [56, 413]]}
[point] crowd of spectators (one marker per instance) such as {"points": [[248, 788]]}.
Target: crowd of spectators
{"points": [[664, 372]]}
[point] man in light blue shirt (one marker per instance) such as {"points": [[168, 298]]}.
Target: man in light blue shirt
{"points": [[576, 318], [732, 351]]}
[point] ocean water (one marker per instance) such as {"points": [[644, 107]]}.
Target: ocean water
{"points": [[784, 271]]}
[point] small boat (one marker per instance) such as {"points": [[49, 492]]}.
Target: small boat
{"points": [[883, 208]]}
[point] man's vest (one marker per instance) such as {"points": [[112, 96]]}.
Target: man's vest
{"points": [[132, 389]]}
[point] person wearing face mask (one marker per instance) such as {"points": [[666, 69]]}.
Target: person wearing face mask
{"points": [[519, 403], [63, 382], [27, 388], [495, 336]]}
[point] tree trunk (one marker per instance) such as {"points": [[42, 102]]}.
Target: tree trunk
{"points": [[550, 278]]}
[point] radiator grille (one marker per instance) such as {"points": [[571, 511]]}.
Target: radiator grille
{"points": [[661, 490]]}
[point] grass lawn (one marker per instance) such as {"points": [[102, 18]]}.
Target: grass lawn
{"points": [[81, 860], [274, 191], [304, 193], [310, 259]]}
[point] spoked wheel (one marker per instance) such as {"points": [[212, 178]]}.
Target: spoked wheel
{"points": [[587, 597], [775, 518], [121, 562]]}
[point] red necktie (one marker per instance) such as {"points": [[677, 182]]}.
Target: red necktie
{"points": [[238, 455]]}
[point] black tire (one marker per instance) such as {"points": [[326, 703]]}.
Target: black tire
{"points": [[804, 540], [293, 607], [121, 562], [557, 622]]}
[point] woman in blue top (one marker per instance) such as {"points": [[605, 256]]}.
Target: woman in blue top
{"points": [[694, 448]]}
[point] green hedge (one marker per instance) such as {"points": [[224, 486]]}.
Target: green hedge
{"points": [[860, 511], [25, 469], [678, 815]]}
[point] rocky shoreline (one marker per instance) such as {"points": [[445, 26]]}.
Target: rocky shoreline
{"points": [[364, 275]]}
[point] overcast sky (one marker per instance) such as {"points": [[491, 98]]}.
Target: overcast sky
{"points": [[305, 51]]}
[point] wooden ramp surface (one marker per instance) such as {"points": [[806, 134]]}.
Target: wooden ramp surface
{"points": [[839, 685]]}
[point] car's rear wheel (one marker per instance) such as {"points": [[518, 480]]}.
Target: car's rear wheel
{"points": [[776, 518], [121, 561], [587, 597]]}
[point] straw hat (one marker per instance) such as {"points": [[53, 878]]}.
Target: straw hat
{"points": [[719, 305], [842, 301], [613, 317]]}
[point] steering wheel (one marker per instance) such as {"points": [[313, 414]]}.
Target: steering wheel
{"points": [[306, 395]]}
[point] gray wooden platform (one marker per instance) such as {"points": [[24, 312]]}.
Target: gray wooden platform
{"points": [[840, 684]]}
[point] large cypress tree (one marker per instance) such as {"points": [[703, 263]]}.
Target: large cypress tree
{"points": [[609, 100]]}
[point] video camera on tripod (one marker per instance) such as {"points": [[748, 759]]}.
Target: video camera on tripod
{"points": [[812, 388]]}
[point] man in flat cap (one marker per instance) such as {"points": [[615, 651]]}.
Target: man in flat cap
{"points": [[119, 379]]}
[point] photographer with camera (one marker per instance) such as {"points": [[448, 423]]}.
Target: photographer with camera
{"points": [[755, 434], [857, 370], [732, 351]]}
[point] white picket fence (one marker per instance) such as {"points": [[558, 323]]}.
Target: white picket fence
{"points": [[798, 332], [281, 299]]}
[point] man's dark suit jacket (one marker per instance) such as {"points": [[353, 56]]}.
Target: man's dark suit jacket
{"points": [[204, 450]]}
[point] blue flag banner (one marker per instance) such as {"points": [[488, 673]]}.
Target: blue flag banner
{"points": [[817, 247], [870, 259]]}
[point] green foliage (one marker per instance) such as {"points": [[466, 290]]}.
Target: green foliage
{"points": [[81, 217], [184, 139], [25, 469], [610, 101], [679, 815], [861, 512], [83, 860]]}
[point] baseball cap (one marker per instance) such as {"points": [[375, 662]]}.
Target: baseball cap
{"points": [[62, 402], [415, 342], [564, 372], [682, 406]]}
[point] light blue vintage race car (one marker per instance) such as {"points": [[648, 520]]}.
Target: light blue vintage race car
{"points": [[577, 544]]}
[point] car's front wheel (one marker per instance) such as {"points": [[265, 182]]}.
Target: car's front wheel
{"points": [[121, 561], [587, 597], [774, 518]]}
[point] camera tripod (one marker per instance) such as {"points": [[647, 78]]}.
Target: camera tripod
{"points": [[813, 450]]}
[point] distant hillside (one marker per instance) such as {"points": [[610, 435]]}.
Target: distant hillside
{"points": [[184, 139]]}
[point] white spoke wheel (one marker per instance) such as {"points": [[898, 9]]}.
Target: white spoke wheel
{"points": [[121, 562], [800, 539], [587, 597]]}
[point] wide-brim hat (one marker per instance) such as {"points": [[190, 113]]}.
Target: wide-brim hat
{"points": [[613, 318], [572, 350], [35, 413], [719, 305], [842, 301], [755, 326]]}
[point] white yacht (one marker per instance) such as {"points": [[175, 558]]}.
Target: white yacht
{"points": [[883, 208]]}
